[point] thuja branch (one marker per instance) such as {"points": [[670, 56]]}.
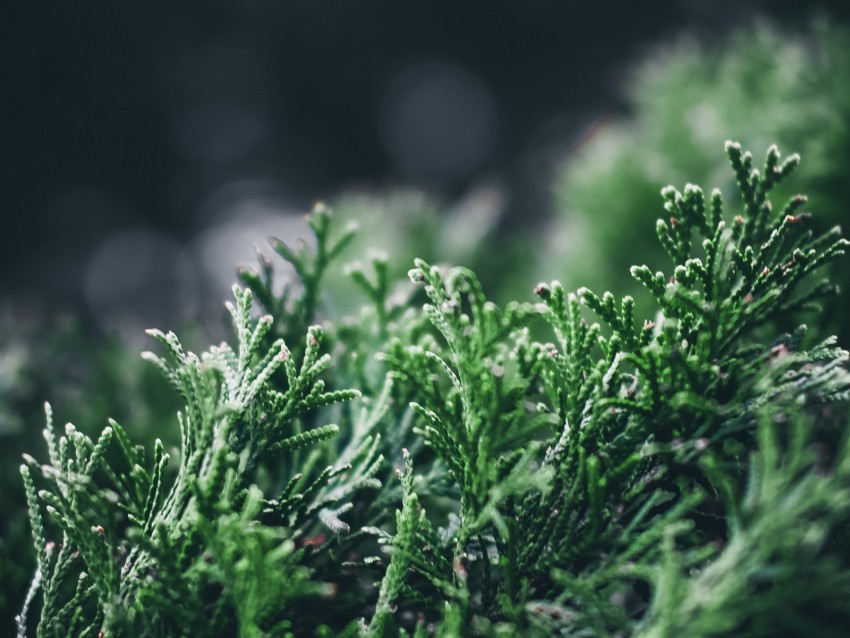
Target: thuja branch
{"points": [[233, 420], [635, 476]]}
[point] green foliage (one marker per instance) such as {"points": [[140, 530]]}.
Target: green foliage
{"points": [[759, 85], [140, 544], [750, 587], [54, 359], [683, 472]]}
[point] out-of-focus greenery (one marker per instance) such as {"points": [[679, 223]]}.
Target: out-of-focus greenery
{"points": [[759, 86], [407, 224]]}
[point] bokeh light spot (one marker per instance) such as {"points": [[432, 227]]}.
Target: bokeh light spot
{"points": [[437, 121]]}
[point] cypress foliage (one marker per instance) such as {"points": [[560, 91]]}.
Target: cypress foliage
{"points": [[563, 466]]}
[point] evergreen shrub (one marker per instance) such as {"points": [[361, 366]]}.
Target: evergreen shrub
{"points": [[440, 465]]}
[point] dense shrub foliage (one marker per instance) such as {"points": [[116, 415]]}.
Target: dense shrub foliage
{"points": [[441, 465]]}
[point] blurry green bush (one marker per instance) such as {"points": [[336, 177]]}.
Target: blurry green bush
{"points": [[760, 86]]}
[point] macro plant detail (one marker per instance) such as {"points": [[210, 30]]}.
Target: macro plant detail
{"points": [[441, 465]]}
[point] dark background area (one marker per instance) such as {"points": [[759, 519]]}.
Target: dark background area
{"points": [[128, 129]]}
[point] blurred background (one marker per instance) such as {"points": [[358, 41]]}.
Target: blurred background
{"points": [[147, 148]]}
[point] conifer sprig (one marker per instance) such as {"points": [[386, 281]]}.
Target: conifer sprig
{"points": [[297, 306], [233, 422]]}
